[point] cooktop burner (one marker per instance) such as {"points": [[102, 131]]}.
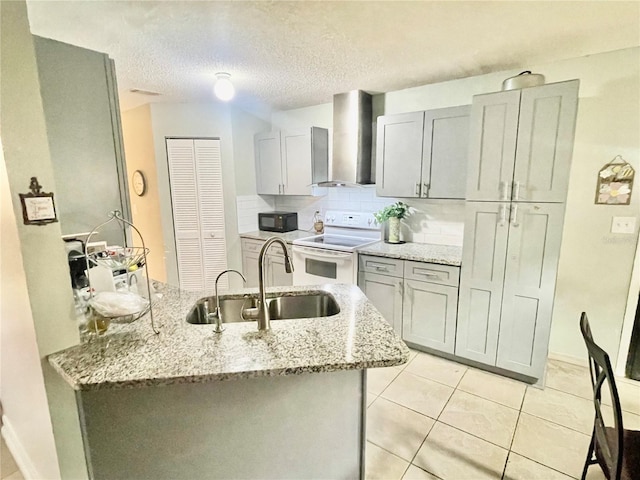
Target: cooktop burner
{"points": [[337, 240], [344, 231]]}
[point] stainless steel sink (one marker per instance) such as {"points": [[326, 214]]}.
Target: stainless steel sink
{"points": [[302, 306], [231, 308], [280, 308]]}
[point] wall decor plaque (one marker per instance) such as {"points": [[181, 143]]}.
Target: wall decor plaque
{"points": [[38, 207], [615, 183]]}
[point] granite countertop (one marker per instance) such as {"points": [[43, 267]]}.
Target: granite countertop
{"points": [[288, 237], [131, 355], [420, 252]]}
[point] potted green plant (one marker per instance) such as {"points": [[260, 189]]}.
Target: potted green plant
{"points": [[393, 213]]}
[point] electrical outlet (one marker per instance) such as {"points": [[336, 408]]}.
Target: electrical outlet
{"points": [[623, 225]]}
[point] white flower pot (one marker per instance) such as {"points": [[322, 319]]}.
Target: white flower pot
{"points": [[394, 230]]}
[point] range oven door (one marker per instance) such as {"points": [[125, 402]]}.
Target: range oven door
{"points": [[315, 266]]}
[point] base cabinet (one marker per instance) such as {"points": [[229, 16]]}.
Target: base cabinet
{"points": [[385, 293], [506, 294], [275, 273], [429, 315], [418, 299]]}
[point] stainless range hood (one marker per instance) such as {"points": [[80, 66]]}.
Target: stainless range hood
{"points": [[352, 120]]}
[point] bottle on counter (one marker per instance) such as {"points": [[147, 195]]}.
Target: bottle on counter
{"points": [[318, 224]]}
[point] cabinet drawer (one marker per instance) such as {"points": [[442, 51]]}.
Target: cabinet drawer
{"points": [[381, 265], [432, 272], [249, 245]]}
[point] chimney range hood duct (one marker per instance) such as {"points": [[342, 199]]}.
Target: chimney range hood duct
{"points": [[352, 120]]}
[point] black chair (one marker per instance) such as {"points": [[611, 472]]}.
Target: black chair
{"points": [[615, 449]]}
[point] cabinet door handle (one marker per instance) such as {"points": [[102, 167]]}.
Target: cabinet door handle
{"points": [[426, 274], [378, 266], [503, 215], [516, 190], [504, 191], [425, 191], [400, 289], [418, 189], [514, 216]]}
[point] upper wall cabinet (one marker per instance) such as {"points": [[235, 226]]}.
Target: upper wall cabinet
{"points": [[521, 143], [288, 163], [423, 154]]}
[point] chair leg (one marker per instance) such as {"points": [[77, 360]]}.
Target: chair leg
{"points": [[589, 460]]}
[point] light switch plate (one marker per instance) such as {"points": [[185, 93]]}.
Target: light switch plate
{"points": [[623, 225]]}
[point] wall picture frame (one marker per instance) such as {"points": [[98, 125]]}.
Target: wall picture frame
{"points": [[38, 208], [615, 183]]}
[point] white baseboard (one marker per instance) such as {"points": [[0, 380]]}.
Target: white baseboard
{"points": [[583, 362], [20, 455]]}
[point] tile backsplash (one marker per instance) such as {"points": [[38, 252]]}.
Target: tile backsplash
{"points": [[248, 207], [431, 221]]}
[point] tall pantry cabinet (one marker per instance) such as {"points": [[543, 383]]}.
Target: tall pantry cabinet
{"points": [[521, 143]]}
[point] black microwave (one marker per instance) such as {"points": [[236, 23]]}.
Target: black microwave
{"points": [[278, 221]]}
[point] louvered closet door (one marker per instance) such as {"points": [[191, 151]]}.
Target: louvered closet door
{"points": [[198, 214], [211, 207]]}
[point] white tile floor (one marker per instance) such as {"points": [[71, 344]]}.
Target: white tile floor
{"points": [[432, 418]]}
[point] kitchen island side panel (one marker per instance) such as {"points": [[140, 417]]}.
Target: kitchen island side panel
{"points": [[297, 426]]}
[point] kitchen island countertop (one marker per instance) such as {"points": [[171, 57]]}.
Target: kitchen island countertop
{"points": [[131, 355], [419, 252]]}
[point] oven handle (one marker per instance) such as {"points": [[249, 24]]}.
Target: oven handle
{"points": [[319, 253]]}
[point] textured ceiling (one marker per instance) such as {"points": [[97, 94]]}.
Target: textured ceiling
{"points": [[285, 55]]}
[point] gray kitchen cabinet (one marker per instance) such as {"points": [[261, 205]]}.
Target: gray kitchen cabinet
{"points": [[521, 143], [533, 250], [492, 145], [507, 284], [546, 129], [481, 280], [399, 155], [250, 251], [519, 159], [385, 292], [381, 281], [268, 163], [444, 157], [430, 305], [423, 154], [418, 299], [275, 273], [288, 163]]}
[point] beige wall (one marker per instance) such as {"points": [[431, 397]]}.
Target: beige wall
{"points": [[145, 210], [26, 412], [212, 120], [244, 126], [43, 270]]}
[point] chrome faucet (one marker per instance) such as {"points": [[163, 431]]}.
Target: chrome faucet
{"points": [[218, 313], [263, 312]]}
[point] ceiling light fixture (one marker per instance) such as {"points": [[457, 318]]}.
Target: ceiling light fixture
{"points": [[223, 87]]}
